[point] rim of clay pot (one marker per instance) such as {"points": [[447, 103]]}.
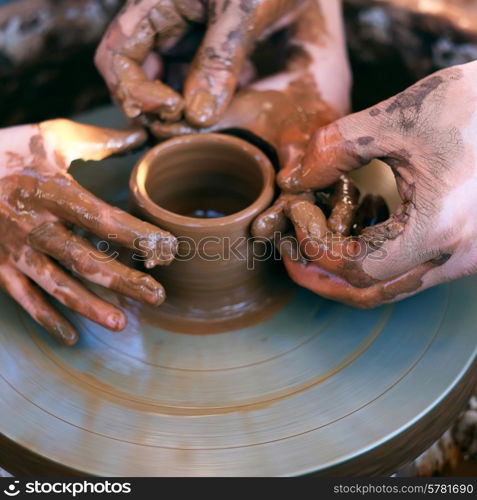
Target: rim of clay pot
{"points": [[262, 201]]}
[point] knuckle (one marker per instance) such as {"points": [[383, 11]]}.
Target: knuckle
{"points": [[218, 61]]}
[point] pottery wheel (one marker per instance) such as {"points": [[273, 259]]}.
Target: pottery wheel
{"points": [[316, 388]]}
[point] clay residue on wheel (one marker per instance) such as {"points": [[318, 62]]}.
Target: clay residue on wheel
{"points": [[221, 278]]}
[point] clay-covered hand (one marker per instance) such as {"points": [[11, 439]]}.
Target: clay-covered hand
{"points": [[310, 88], [427, 135], [38, 202], [131, 57]]}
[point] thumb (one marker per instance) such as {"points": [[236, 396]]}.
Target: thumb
{"points": [[333, 150], [77, 141]]}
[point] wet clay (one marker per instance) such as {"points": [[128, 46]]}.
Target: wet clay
{"points": [[281, 112], [425, 145], [344, 203], [131, 55], [220, 279], [270, 115], [272, 293], [38, 198]]}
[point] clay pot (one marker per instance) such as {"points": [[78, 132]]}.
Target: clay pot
{"points": [[207, 189]]}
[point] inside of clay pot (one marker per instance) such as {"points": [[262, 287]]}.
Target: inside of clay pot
{"points": [[205, 181]]}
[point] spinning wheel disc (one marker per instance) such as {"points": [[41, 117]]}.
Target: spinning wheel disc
{"points": [[316, 388]]}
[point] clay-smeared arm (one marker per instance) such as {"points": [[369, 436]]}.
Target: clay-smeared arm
{"points": [[317, 83], [427, 135], [38, 200]]}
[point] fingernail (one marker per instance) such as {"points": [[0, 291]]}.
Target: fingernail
{"points": [[65, 334], [172, 111], [153, 293], [151, 263], [267, 225], [116, 321], [131, 109], [164, 252], [159, 260], [158, 296], [136, 138], [201, 108]]}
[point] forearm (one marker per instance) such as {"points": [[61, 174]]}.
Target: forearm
{"points": [[319, 58], [330, 65]]}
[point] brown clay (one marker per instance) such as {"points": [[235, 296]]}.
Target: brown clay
{"points": [[214, 283], [344, 203], [283, 110], [273, 116], [38, 197], [130, 56], [331, 264]]}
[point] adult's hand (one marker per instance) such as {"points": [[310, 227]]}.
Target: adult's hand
{"points": [[39, 200], [427, 135], [311, 89], [129, 56]]}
